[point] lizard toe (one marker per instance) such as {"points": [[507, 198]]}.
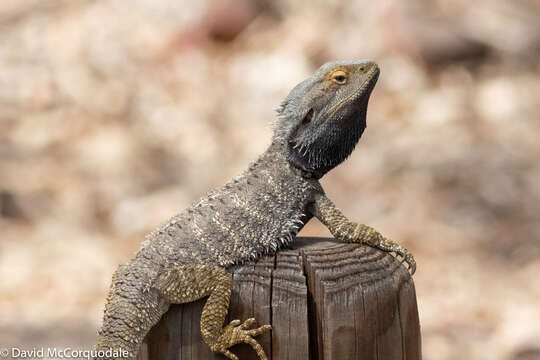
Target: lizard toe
{"points": [[247, 323], [230, 355], [409, 259], [235, 333]]}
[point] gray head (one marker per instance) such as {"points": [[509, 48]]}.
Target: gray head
{"points": [[323, 117]]}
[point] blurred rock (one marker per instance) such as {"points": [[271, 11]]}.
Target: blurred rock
{"points": [[531, 353], [226, 19], [9, 207], [433, 40]]}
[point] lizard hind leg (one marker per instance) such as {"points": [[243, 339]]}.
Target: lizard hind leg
{"points": [[130, 312], [181, 284]]}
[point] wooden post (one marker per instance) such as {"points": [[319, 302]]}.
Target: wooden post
{"points": [[325, 301]]}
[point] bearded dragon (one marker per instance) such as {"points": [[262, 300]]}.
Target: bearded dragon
{"points": [[260, 211]]}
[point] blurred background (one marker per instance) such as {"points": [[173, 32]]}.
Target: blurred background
{"points": [[115, 115]]}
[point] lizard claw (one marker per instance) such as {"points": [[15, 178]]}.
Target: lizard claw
{"points": [[409, 259], [402, 254], [359, 233], [370, 236], [405, 257], [236, 333]]}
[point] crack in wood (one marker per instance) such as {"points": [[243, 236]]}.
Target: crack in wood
{"points": [[325, 300]]}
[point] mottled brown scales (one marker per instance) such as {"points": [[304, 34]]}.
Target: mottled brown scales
{"points": [[257, 213]]}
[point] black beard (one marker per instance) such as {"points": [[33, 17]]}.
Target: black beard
{"points": [[317, 149]]}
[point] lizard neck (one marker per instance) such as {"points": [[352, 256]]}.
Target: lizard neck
{"points": [[277, 153]]}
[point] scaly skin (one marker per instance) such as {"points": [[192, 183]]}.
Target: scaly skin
{"points": [[257, 213], [345, 230]]}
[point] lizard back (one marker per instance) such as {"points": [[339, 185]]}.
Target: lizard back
{"points": [[254, 214]]}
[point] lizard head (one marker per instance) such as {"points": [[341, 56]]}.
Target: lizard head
{"points": [[323, 117]]}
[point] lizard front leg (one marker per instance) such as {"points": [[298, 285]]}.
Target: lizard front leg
{"points": [[345, 230], [182, 284]]}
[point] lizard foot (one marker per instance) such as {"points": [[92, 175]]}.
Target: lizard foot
{"points": [[236, 333], [391, 246], [367, 235]]}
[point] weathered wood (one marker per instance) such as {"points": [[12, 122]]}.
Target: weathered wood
{"points": [[324, 300], [289, 308]]}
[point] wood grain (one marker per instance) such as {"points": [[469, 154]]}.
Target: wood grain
{"points": [[325, 301]]}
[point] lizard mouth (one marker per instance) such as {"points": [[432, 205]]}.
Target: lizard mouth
{"points": [[362, 93]]}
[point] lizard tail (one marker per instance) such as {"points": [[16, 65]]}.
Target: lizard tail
{"points": [[131, 310]]}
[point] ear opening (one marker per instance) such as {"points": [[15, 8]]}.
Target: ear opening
{"points": [[309, 116]]}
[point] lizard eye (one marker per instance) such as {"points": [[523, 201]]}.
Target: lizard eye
{"points": [[339, 77]]}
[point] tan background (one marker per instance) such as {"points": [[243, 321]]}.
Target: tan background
{"points": [[115, 114]]}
